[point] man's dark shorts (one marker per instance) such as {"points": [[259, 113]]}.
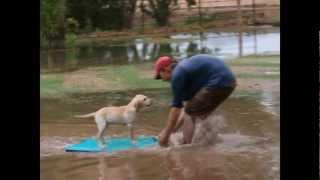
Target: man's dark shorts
{"points": [[207, 100]]}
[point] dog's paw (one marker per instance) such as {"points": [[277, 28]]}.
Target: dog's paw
{"points": [[134, 142], [101, 144]]}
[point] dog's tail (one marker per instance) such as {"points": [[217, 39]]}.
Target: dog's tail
{"points": [[86, 115]]}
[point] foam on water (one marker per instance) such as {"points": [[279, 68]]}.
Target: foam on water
{"points": [[207, 133]]}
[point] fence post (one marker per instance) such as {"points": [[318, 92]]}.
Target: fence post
{"points": [[240, 26], [255, 43], [239, 12], [200, 13], [240, 43], [49, 59], [254, 11], [142, 17], [201, 42]]}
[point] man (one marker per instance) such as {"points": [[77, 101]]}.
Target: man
{"points": [[201, 82]]}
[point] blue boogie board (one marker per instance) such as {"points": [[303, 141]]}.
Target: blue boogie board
{"points": [[113, 144]]}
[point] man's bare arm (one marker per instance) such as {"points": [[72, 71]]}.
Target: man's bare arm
{"points": [[179, 122], [171, 123]]}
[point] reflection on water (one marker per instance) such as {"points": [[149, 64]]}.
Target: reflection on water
{"points": [[269, 102], [226, 45], [205, 163]]}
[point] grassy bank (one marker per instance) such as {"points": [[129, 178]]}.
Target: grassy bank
{"points": [[253, 73]]}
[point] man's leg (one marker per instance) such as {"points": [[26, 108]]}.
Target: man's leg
{"points": [[206, 101], [188, 129], [201, 105]]}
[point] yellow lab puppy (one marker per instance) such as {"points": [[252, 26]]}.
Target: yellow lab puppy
{"points": [[118, 115]]}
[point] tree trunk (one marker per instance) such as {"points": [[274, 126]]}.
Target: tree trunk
{"points": [[61, 24]]}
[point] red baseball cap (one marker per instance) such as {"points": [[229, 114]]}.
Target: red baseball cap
{"points": [[160, 64]]}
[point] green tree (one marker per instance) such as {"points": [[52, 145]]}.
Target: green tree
{"points": [[102, 14], [161, 10], [51, 20], [191, 2], [129, 8]]}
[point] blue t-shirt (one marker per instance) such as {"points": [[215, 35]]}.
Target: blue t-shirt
{"points": [[193, 73]]}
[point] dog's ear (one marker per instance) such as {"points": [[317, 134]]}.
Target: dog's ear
{"points": [[136, 104]]}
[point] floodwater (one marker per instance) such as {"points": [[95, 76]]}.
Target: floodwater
{"points": [[248, 127], [248, 149], [224, 45]]}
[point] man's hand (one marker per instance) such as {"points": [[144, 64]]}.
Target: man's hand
{"points": [[171, 123], [163, 138]]}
